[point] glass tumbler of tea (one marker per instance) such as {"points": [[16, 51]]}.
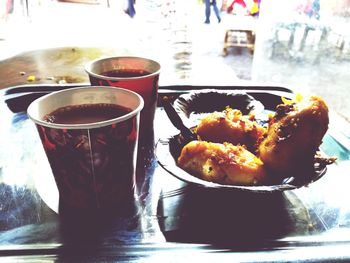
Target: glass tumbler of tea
{"points": [[138, 74], [90, 137]]}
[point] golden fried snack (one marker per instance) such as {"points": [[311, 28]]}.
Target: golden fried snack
{"points": [[295, 132], [222, 163], [230, 126]]}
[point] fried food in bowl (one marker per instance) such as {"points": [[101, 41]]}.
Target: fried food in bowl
{"points": [[222, 163], [231, 126], [234, 150], [294, 135]]}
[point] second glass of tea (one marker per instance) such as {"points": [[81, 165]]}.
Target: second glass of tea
{"points": [[138, 74]]}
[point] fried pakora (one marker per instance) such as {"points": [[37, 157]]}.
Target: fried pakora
{"points": [[231, 126], [234, 149], [294, 134], [222, 163]]}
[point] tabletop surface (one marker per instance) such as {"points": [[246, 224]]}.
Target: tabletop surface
{"points": [[176, 220], [50, 66]]}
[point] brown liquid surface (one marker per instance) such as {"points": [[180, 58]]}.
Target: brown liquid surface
{"points": [[125, 73], [86, 113]]}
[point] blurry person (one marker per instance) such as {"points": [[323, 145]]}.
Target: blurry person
{"points": [[130, 10], [237, 6], [255, 8], [310, 8], [244, 7], [208, 4], [6, 8]]}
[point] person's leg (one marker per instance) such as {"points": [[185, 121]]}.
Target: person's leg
{"points": [[207, 11], [131, 9], [217, 11]]}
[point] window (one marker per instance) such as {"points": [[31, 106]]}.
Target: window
{"points": [[301, 44]]}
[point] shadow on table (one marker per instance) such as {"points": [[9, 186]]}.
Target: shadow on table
{"points": [[198, 215]]}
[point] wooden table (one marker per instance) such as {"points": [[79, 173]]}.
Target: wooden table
{"points": [[240, 32], [239, 38]]}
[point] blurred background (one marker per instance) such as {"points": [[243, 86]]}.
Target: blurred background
{"points": [[300, 44]]}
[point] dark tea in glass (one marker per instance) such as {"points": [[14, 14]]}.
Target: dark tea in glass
{"points": [[125, 73], [90, 137]]}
